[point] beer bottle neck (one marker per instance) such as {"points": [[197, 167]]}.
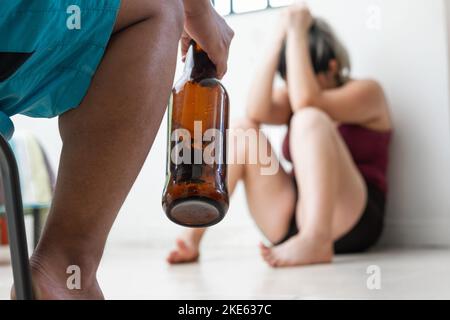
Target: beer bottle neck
{"points": [[202, 67]]}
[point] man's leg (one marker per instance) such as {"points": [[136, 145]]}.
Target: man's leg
{"points": [[105, 142]]}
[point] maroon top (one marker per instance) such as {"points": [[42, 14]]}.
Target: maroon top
{"points": [[369, 149]]}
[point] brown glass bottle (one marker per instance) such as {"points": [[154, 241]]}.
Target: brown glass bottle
{"points": [[195, 193]]}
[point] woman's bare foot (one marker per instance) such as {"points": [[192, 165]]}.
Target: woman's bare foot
{"points": [[187, 250], [298, 251]]}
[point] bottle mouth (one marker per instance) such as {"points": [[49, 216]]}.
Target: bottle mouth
{"points": [[203, 67], [196, 46], [197, 67]]}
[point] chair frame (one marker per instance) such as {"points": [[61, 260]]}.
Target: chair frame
{"points": [[16, 223]]}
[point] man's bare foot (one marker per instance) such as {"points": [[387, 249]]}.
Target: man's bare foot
{"points": [[187, 250], [51, 284], [298, 251]]}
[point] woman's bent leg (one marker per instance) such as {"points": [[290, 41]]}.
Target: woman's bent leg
{"points": [[270, 193], [333, 193]]}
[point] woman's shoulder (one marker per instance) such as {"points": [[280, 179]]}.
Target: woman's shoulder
{"points": [[373, 89], [366, 84], [368, 89]]}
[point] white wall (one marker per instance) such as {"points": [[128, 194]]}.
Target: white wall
{"points": [[409, 55], [415, 74]]}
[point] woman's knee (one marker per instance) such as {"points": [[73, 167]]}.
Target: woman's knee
{"points": [[309, 120], [244, 124]]}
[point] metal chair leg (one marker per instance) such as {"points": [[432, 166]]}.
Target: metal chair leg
{"points": [[16, 223]]}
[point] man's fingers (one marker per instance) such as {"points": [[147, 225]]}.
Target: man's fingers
{"points": [[220, 59], [218, 56], [221, 70]]}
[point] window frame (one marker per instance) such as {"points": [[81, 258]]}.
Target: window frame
{"points": [[233, 12]]}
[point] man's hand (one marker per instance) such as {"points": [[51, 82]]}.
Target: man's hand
{"points": [[211, 32]]}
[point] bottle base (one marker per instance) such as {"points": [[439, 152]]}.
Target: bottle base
{"points": [[195, 212]]}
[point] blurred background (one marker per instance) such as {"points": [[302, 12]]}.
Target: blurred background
{"points": [[404, 44]]}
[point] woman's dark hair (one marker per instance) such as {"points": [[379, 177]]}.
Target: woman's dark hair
{"points": [[323, 47]]}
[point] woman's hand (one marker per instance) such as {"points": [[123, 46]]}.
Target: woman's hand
{"points": [[298, 17], [212, 33]]}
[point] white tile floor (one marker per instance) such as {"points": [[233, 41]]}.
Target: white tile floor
{"points": [[132, 272]]}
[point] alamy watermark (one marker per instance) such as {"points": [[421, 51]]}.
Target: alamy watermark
{"points": [[373, 281], [374, 19], [245, 146], [73, 22], [74, 280]]}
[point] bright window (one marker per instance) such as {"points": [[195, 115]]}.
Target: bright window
{"points": [[223, 6], [226, 7], [240, 6], [280, 3]]}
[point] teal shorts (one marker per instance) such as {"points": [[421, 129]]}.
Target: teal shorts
{"points": [[50, 50]]}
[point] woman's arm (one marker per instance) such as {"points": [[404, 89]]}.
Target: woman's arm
{"points": [[266, 104], [358, 102]]}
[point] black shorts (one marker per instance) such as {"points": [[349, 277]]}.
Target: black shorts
{"points": [[365, 233]]}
